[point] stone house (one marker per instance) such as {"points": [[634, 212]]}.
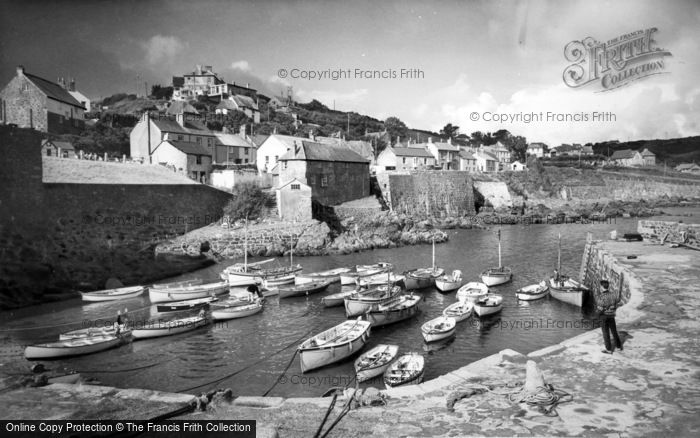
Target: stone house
{"points": [[273, 147], [233, 148], [587, 151], [467, 162], [191, 159], [404, 159], [294, 200], [29, 101], [77, 95], [335, 173], [517, 166], [630, 158], [499, 151], [649, 157], [61, 149], [149, 132], [241, 103], [691, 168], [485, 162], [444, 152], [537, 149]]}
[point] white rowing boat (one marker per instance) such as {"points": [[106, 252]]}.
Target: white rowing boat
{"points": [[334, 344], [379, 279], [72, 347], [157, 328], [363, 271], [406, 370], [374, 362], [460, 310], [360, 302], [177, 306], [121, 293], [439, 328], [395, 310], [177, 284], [472, 291], [235, 308], [182, 293], [488, 305], [498, 275], [89, 332], [332, 275], [448, 283], [532, 292]]}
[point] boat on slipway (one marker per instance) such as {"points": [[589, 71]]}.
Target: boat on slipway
{"points": [[397, 309], [374, 362], [334, 344], [406, 370], [183, 293], [121, 293]]}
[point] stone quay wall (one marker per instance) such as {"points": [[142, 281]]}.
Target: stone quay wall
{"points": [[59, 238], [626, 188], [672, 231], [598, 264], [424, 194]]}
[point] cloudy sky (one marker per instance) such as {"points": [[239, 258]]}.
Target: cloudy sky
{"points": [[504, 57]]}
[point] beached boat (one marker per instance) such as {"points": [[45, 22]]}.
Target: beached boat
{"points": [[460, 310], [488, 304], [73, 347], [406, 370], [360, 302], [439, 328], [177, 306], [497, 275], [374, 362], [379, 279], [300, 290], [397, 309], [564, 288], [422, 278], [332, 275], [334, 344], [533, 291], [363, 271], [183, 293], [158, 328], [448, 283], [177, 284], [235, 308], [108, 330], [121, 293], [472, 291]]}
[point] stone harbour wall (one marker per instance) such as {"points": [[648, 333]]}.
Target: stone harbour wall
{"points": [[671, 231], [598, 264]]}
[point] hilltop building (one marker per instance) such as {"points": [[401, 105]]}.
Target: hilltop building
{"points": [[630, 158]]}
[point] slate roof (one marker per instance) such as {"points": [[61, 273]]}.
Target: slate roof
{"points": [[412, 152], [189, 147], [485, 155], [310, 151], [362, 148], [232, 140], [647, 153], [181, 107], [53, 91], [443, 146], [191, 126], [64, 145], [259, 139], [244, 101], [466, 155], [622, 154]]}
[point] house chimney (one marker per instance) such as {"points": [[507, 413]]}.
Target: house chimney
{"points": [[247, 84], [199, 69], [71, 87], [311, 135], [242, 131], [20, 70], [430, 140], [398, 140], [449, 140], [180, 118]]}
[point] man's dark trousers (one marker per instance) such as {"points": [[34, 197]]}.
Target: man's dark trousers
{"points": [[608, 326]]}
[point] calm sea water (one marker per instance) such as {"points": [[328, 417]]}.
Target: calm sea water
{"points": [[251, 354]]}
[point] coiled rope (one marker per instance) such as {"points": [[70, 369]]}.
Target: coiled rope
{"points": [[546, 398]]}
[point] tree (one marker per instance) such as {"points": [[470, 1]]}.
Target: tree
{"points": [[450, 130], [161, 92], [395, 128], [248, 202]]}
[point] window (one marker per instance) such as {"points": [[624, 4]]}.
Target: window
{"points": [[199, 140], [25, 87], [267, 159], [404, 160], [210, 142], [296, 186], [245, 151], [425, 161], [180, 137], [199, 159], [324, 181], [284, 165]]}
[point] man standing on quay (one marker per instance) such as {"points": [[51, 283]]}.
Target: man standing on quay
{"points": [[606, 303]]}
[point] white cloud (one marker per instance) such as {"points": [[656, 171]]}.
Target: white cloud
{"points": [[241, 65], [162, 49]]}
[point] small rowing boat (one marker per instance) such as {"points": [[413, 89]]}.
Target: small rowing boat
{"points": [[334, 344], [332, 275], [157, 328], [423, 277], [235, 308], [275, 281], [185, 305], [533, 292], [177, 284], [304, 289], [407, 370], [448, 283], [363, 271], [488, 305], [460, 310], [121, 293], [378, 279], [395, 310], [338, 298], [439, 328], [110, 330], [472, 291], [360, 302], [183, 293], [73, 347], [374, 362]]}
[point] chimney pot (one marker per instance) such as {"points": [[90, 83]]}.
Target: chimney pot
{"points": [[430, 139], [242, 131], [20, 70]]}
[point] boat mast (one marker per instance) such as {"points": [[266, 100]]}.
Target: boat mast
{"points": [[433, 253], [499, 249], [559, 255], [245, 246], [291, 250]]}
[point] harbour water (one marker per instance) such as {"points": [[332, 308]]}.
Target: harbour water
{"points": [[251, 355]]}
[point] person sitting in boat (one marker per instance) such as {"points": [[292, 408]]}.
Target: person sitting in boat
{"points": [[202, 313], [556, 276], [118, 323], [125, 318]]}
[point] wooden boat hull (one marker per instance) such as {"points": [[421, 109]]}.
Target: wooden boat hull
{"points": [[366, 271], [447, 285], [438, 336], [459, 311], [365, 372], [226, 313], [332, 275], [93, 332], [532, 292], [412, 375], [573, 292], [302, 290], [472, 291], [491, 307], [121, 293], [239, 279], [380, 279], [177, 306], [490, 278], [413, 281], [159, 329], [178, 284], [68, 348], [379, 318], [273, 282], [355, 306], [439, 328], [336, 299], [317, 357], [187, 293]]}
